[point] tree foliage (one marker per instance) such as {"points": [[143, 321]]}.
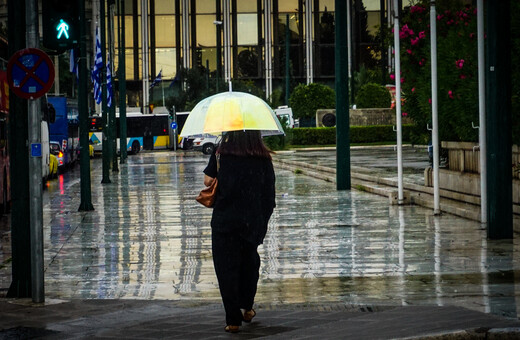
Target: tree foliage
{"points": [[373, 95], [306, 99], [456, 69]]}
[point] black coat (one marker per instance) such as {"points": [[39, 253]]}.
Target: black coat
{"points": [[245, 195]]}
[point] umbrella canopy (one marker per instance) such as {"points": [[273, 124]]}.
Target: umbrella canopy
{"points": [[231, 111]]}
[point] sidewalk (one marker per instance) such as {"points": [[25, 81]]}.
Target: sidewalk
{"points": [[335, 264], [374, 169], [132, 319]]}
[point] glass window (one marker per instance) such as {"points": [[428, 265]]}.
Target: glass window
{"points": [[288, 6], [165, 60], [327, 57], [159, 125], [165, 30], [371, 5], [247, 61], [247, 30], [206, 30], [246, 6], [209, 54], [327, 5], [139, 33], [293, 27], [327, 28], [140, 64], [129, 63], [164, 7], [206, 6], [129, 33], [373, 22], [128, 7]]}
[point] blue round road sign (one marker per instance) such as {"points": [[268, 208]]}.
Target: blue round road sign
{"points": [[30, 73], [173, 125]]}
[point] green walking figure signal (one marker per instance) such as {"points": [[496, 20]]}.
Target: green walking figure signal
{"points": [[60, 24], [63, 30]]}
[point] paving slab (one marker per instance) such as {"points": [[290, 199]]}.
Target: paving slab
{"points": [[140, 264]]}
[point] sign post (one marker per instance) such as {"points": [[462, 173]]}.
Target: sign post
{"points": [[30, 74]]}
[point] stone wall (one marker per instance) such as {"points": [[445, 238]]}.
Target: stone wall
{"points": [[363, 117], [463, 172]]}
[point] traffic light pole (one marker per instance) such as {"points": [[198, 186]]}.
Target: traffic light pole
{"points": [[19, 164], [35, 168], [112, 109], [343, 181], [499, 120], [86, 199], [107, 141]]}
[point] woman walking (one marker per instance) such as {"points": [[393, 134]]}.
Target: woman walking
{"points": [[244, 203]]}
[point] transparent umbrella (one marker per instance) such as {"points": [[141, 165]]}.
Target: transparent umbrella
{"points": [[231, 111]]}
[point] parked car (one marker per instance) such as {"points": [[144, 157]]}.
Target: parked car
{"points": [[185, 143], [206, 143], [60, 156]]}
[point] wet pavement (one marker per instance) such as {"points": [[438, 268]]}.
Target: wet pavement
{"points": [[380, 161], [325, 251]]}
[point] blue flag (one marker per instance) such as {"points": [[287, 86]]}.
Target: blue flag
{"points": [[174, 80], [98, 66], [73, 68], [157, 79], [110, 90]]}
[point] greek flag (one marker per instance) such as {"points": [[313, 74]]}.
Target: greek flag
{"points": [[98, 66], [174, 80], [73, 68], [110, 90], [157, 79]]}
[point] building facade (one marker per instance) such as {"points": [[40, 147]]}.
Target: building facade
{"points": [[252, 44]]}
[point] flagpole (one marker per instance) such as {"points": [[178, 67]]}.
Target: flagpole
{"points": [[162, 88]]}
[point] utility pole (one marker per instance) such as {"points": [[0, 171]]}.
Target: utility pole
{"points": [[122, 83], [107, 141], [287, 59], [86, 199], [498, 120], [35, 167], [19, 167], [343, 181], [112, 109]]}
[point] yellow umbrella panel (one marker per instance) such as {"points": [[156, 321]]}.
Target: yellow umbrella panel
{"points": [[231, 111]]}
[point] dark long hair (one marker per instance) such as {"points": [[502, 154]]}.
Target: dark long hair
{"points": [[244, 143]]}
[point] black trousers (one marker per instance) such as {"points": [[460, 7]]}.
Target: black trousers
{"points": [[236, 264]]}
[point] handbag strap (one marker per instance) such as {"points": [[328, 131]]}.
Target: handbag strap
{"points": [[217, 155]]}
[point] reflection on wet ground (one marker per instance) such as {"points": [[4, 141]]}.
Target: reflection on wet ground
{"points": [[149, 239], [380, 161]]}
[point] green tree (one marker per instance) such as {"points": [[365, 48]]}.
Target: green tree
{"points": [[456, 69], [306, 99], [373, 95]]}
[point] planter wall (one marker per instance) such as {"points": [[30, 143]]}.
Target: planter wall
{"points": [[465, 157], [463, 172], [364, 117]]}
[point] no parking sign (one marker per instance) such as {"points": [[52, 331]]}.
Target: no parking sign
{"points": [[30, 73]]}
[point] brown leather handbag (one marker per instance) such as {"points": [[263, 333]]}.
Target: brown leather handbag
{"points": [[207, 195]]}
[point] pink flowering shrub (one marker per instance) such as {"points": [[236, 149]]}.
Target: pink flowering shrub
{"points": [[457, 75]]}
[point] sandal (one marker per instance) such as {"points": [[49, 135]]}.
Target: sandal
{"points": [[249, 315], [232, 329]]}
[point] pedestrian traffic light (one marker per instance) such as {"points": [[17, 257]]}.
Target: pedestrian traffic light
{"points": [[60, 24]]}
